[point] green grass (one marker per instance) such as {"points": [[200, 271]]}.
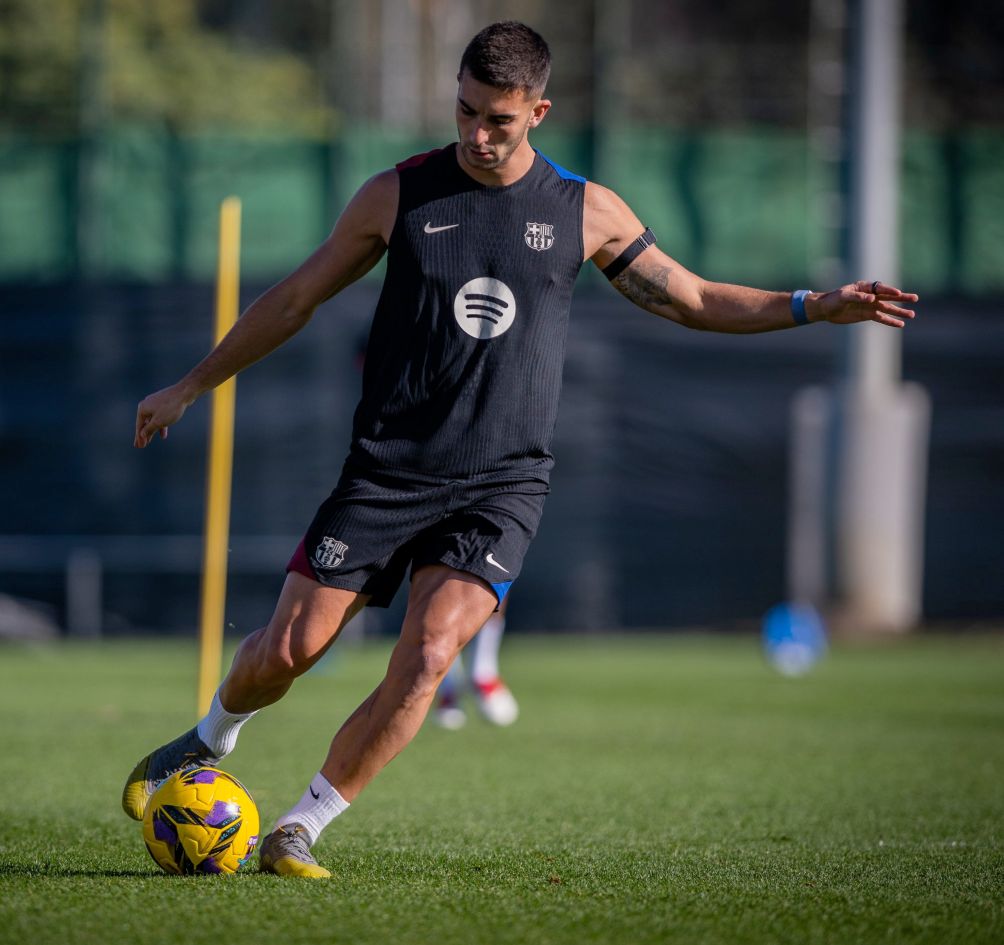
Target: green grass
{"points": [[655, 790]]}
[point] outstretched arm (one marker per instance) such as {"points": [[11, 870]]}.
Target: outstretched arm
{"points": [[660, 285], [356, 243]]}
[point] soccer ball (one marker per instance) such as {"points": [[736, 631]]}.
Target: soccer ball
{"points": [[201, 820]]}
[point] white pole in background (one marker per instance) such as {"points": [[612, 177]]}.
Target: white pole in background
{"points": [[874, 352], [882, 424], [859, 454]]}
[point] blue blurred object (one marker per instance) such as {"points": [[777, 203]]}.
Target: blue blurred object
{"points": [[794, 638]]}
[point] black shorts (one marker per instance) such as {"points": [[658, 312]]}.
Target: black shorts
{"points": [[374, 525]]}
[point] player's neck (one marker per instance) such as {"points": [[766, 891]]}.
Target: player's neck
{"points": [[515, 167]]}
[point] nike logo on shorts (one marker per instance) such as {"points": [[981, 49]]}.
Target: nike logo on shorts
{"points": [[490, 558], [429, 228]]}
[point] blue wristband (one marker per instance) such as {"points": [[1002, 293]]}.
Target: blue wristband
{"points": [[798, 306]]}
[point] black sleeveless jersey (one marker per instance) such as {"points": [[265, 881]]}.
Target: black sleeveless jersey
{"points": [[464, 359]]}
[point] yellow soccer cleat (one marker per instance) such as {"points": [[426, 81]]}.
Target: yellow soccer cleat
{"points": [[286, 852], [187, 751]]}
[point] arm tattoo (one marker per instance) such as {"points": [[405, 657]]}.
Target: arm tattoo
{"points": [[646, 286]]}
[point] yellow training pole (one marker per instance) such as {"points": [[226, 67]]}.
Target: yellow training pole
{"points": [[218, 475]]}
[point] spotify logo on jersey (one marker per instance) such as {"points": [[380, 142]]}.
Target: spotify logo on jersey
{"points": [[485, 308]]}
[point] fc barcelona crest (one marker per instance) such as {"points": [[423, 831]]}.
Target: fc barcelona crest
{"points": [[330, 552], [539, 236]]}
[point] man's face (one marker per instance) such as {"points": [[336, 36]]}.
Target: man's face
{"points": [[492, 124]]}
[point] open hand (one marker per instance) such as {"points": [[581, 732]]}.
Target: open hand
{"points": [[863, 302]]}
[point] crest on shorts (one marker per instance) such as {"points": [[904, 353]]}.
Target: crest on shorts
{"points": [[330, 552], [539, 236]]}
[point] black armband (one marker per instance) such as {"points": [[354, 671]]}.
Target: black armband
{"points": [[614, 269]]}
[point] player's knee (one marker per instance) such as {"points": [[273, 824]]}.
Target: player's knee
{"points": [[277, 660], [437, 657], [422, 667]]}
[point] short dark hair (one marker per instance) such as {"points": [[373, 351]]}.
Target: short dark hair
{"points": [[509, 56]]}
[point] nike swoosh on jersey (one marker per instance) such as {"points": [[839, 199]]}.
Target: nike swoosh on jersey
{"points": [[429, 228], [490, 558]]}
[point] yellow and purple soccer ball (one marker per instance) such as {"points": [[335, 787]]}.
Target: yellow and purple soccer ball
{"points": [[201, 820]]}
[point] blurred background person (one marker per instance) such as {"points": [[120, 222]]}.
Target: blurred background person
{"points": [[480, 677]]}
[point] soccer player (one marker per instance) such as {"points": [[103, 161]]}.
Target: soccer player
{"points": [[449, 460]]}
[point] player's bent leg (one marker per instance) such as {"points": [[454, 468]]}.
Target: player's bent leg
{"points": [[445, 609], [307, 620]]}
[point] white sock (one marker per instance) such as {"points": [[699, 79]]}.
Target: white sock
{"points": [[219, 728], [485, 655], [320, 805]]}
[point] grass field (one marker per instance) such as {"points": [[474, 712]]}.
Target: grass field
{"points": [[656, 790]]}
